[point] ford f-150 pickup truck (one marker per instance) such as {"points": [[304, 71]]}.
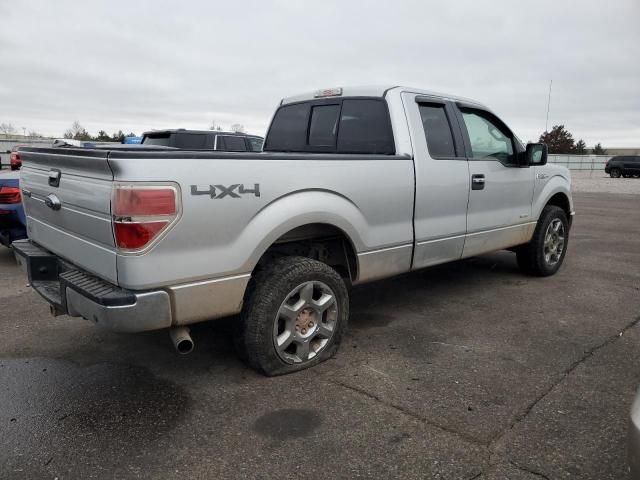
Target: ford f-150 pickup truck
{"points": [[353, 185]]}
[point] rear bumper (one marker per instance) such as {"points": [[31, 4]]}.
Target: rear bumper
{"points": [[74, 292]]}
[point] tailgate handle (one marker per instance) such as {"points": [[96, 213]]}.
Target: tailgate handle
{"points": [[54, 177]]}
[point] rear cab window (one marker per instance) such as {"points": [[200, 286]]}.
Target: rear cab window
{"points": [[335, 125]]}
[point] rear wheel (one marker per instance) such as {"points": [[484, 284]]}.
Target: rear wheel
{"points": [[294, 316], [615, 173], [544, 255]]}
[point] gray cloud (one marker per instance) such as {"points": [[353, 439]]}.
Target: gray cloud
{"points": [[150, 64]]}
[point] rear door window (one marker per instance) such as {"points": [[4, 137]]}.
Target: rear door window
{"points": [[437, 130], [365, 127]]}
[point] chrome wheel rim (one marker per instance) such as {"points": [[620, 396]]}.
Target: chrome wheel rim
{"points": [[554, 242], [305, 322]]}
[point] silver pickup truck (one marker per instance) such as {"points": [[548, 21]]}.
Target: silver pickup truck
{"points": [[353, 185]]}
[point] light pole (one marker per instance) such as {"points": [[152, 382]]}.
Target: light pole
{"points": [[546, 123]]}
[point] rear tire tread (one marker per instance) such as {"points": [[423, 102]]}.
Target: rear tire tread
{"points": [[265, 293]]}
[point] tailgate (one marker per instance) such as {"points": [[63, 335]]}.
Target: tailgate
{"points": [[67, 199]]}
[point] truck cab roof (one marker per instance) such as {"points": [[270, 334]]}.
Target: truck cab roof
{"points": [[373, 91]]}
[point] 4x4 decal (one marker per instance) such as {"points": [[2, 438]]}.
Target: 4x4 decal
{"points": [[220, 191]]}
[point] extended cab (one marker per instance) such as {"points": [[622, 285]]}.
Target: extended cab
{"points": [[354, 185]]}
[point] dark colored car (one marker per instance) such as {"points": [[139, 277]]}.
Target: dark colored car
{"points": [[12, 219], [623, 166], [204, 140]]}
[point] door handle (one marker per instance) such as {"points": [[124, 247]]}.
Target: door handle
{"points": [[477, 181]]}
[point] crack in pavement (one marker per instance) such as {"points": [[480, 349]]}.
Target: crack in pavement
{"points": [[563, 375], [492, 444], [527, 470], [409, 413]]}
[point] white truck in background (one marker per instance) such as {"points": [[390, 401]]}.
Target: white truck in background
{"points": [[353, 185]]}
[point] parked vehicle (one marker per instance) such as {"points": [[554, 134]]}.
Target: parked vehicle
{"points": [[14, 159], [623, 166], [634, 438], [354, 185], [12, 218], [204, 140]]}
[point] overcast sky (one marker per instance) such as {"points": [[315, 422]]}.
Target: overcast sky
{"points": [[140, 65]]}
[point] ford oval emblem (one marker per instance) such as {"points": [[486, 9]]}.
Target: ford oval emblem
{"points": [[53, 202]]}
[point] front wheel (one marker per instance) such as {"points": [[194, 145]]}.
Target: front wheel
{"points": [[615, 173], [295, 314], [544, 254]]}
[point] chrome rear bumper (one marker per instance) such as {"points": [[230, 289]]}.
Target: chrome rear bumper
{"points": [[71, 291]]}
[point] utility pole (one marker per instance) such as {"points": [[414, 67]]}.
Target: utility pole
{"points": [[546, 123]]}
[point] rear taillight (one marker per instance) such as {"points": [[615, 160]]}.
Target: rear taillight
{"points": [[10, 195], [141, 213]]}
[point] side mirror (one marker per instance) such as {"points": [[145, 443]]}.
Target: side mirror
{"points": [[536, 154]]}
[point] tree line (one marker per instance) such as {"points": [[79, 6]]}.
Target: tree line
{"points": [[78, 132], [560, 140]]}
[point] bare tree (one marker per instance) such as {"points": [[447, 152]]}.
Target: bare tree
{"points": [[77, 132], [7, 129], [237, 127], [215, 126], [34, 134]]}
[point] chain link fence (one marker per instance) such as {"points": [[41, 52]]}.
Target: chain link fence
{"points": [[591, 163]]}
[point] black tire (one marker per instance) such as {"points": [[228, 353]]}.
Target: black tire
{"points": [[615, 173], [531, 257], [266, 293]]}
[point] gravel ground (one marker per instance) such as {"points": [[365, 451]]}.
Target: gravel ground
{"points": [[600, 182]]}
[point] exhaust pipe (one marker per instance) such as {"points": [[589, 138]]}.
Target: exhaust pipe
{"points": [[181, 340]]}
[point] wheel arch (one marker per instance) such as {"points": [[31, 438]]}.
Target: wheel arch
{"points": [[301, 224], [556, 192]]}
